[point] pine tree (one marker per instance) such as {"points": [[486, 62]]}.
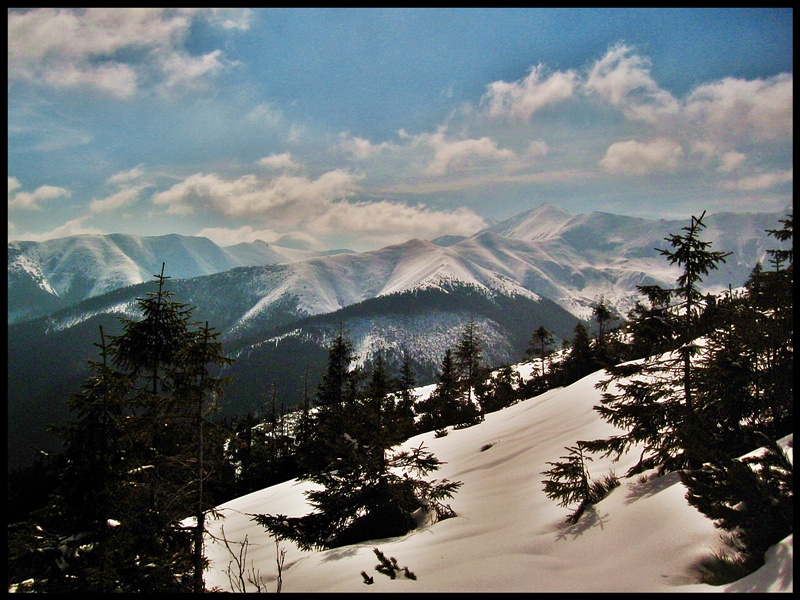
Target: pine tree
{"points": [[441, 408], [335, 416], [655, 405], [404, 416], [580, 360], [501, 390], [539, 344], [602, 314], [745, 404], [569, 483], [468, 358], [368, 491]]}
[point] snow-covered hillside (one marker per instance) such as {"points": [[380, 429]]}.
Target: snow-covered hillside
{"points": [[508, 536]]}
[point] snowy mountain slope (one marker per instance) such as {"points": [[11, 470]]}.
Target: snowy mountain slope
{"points": [[67, 270], [508, 536], [576, 259]]}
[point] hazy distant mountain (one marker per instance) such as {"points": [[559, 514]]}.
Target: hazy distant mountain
{"points": [[44, 276]]}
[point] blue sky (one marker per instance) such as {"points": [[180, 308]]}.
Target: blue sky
{"points": [[360, 128]]}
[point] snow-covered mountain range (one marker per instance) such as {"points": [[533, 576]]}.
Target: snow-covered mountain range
{"points": [[571, 259], [46, 276], [278, 308]]}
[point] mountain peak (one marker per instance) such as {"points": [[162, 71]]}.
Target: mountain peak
{"points": [[539, 223]]}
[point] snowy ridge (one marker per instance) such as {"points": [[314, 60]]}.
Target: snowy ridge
{"points": [[74, 268], [325, 285], [507, 535]]}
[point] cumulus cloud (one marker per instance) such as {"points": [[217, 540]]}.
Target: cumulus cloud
{"points": [[538, 148], [124, 177], [760, 109], [31, 200], [226, 236], [462, 153], [762, 181], [122, 198], [265, 114], [278, 161], [358, 148], [394, 222], [640, 158], [253, 196], [622, 78], [69, 48], [520, 99], [73, 227], [730, 161], [182, 71]]}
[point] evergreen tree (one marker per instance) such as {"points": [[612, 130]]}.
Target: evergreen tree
{"points": [[745, 404], [469, 362], [539, 344], [655, 404], [501, 390], [603, 315], [369, 491], [569, 483], [442, 406], [136, 459], [335, 415], [580, 360], [404, 419]]}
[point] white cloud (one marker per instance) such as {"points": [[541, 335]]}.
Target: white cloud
{"points": [[762, 181], [359, 148], [282, 196], [265, 114], [730, 161], [69, 48], [760, 109], [278, 161], [73, 227], [127, 176], [225, 236], [538, 148], [460, 154], [640, 158], [520, 99], [13, 185], [31, 200], [182, 71], [622, 79], [394, 222], [120, 199]]}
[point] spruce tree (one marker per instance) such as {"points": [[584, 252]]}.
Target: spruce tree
{"points": [[468, 358], [404, 416], [539, 344], [368, 490], [441, 408], [655, 403], [569, 483], [335, 417], [137, 458], [745, 404]]}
